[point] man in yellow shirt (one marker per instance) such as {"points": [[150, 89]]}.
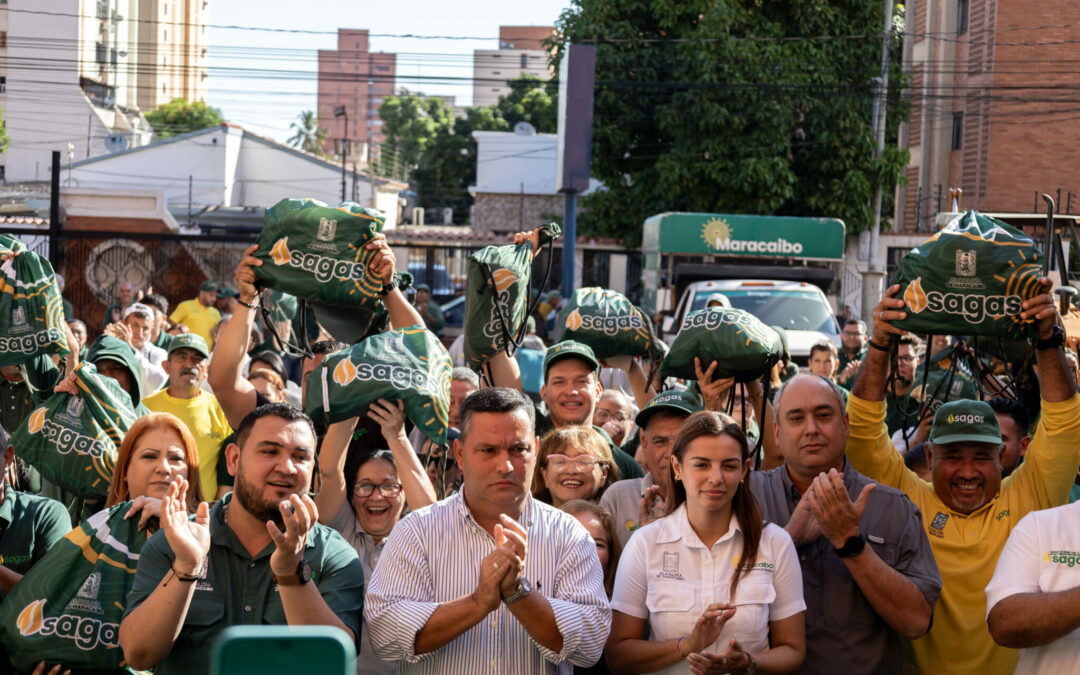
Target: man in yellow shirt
{"points": [[199, 314], [200, 411], [968, 510]]}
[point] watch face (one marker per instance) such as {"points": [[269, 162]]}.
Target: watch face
{"points": [[304, 571]]}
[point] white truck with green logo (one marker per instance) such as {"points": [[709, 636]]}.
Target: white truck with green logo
{"points": [[784, 270]]}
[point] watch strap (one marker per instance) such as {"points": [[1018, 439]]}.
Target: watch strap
{"points": [[852, 547], [520, 594], [1056, 339], [298, 578]]}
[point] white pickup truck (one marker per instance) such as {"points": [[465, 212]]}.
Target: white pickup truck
{"points": [[796, 306]]}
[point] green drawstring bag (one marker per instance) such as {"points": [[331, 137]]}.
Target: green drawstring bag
{"points": [[607, 322], [743, 346], [496, 297], [408, 364], [73, 440], [31, 309], [67, 608], [316, 252], [970, 279]]}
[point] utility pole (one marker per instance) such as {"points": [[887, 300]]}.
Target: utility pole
{"points": [[54, 211], [340, 111], [874, 278]]}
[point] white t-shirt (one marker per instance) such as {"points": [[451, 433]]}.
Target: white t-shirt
{"points": [[1042, 555], [666, 575]]}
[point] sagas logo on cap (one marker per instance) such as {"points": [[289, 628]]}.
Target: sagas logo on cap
{"points": [[966, 418]]}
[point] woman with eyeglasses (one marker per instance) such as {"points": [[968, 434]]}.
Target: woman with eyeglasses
{"points": [[575, 463], [366, 490]]}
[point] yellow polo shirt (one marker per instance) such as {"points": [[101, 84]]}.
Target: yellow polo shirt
{"points": [[197, 318], [206, 421], [967, 547]]}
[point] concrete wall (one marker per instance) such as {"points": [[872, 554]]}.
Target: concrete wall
{"points": [[513, 213]]}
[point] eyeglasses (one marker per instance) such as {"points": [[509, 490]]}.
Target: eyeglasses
{"points": [[562, 462], [603, 416], [906, 358], [388, 490]]}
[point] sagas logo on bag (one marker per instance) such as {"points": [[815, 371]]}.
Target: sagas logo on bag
{"points": [[28, 344], [974, 307], [65, 440], [86, 633], [399, 377], [327, 228], [504, 281], [323, 268], [608, 325]]}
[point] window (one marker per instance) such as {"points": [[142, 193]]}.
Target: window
{"points": [[165, 35], [3, 172], [524, 61], [3, 84], [961, 16], [496, 72], [382, 69], [102, 51], [3, 39], [957, 130]]}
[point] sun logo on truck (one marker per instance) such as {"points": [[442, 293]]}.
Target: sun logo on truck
{"points": [[716, 230]]}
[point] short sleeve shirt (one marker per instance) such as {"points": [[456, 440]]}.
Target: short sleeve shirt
{"points": [[668, 576], [238, 589], [29, 526], [843, 632], [1042, 555]]}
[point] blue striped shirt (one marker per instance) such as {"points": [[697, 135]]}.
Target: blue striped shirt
{"points": [[433, 556]]}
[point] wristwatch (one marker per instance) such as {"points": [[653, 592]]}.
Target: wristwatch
{"points": [[1056, 339], [302, 576], [520, 594], [852, 547], [394, 281]]}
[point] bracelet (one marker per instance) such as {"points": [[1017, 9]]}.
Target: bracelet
{"points": [[254, 305], [678, 647], [877, 346], [186, 578]]}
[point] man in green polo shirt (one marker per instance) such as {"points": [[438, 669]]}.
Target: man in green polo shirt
{"points": [[258, 557], [29, 525], [571, 390]]}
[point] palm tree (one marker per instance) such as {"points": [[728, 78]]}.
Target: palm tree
{"points": [[308, 137]]}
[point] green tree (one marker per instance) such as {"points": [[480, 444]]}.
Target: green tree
{"points": [[737, 106], [308, 135], [5, 140], [410, 124], [530, 100], [179, 116]]}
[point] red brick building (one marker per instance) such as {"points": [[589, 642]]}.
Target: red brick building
{"points": [[993, 84], [358, 79]]}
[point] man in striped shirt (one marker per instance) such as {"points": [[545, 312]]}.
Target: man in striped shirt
{"points": [[490, 579]]}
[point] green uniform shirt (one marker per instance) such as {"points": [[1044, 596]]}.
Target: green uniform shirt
{"points": [[239, 589], [164, 340], [845, 360], [29, 526], [15, 404]]}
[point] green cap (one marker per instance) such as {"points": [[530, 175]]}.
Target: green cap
{"points": [[225, 292], [965, 421], [678, 402], [567, 349], [423, 287], [208, 286], [189, 341]]}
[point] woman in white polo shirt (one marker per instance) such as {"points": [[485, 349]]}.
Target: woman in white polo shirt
{"points": [[680, 580]]}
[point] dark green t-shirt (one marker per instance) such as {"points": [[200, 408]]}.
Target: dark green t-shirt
{"points": [[239, 589], [29, 526]]}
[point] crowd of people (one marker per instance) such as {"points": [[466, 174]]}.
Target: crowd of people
{"points": [[582, 518]]}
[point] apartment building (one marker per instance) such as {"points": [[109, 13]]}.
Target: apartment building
{"points": [[354, 81], [521, 52]]}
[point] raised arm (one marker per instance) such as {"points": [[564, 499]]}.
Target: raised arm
{"points": [[1055, 383], [419, 492], [402, 314], [235, 394], [332, 455]]}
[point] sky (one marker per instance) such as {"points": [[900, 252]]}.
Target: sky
{"points": [[263, 80]]}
